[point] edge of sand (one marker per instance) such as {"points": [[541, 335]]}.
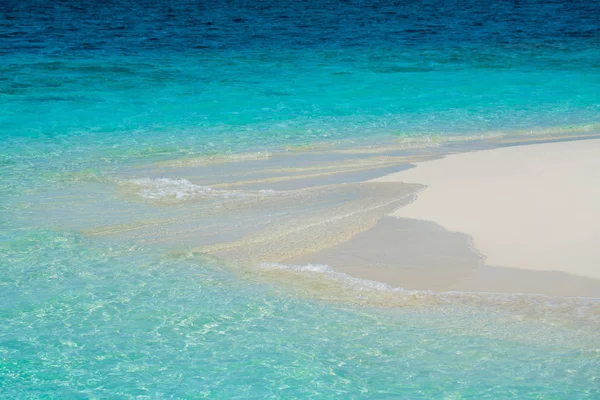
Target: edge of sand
{"points": [[521, 219]]}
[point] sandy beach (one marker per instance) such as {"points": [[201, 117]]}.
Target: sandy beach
{"points": [[512, 219]]}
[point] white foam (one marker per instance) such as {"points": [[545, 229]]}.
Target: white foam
{"points": [[259, 155], [355, 283], [183, 189], [164, 188], [540, 306]]}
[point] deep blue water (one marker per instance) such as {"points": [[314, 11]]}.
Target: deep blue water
{"points": [[95, 87], [264, 73]]}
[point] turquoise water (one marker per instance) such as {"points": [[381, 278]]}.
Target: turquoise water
{"points": [[91, 94], [83, 320]]}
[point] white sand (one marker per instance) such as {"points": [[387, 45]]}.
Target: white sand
{"points": [[534, 207]]}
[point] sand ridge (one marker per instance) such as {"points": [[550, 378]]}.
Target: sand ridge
{"points": [[534, 207]]}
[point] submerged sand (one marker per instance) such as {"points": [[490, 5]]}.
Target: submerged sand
{"points": [[519, 219]]}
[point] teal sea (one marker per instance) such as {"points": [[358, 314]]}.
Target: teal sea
{"points": [[136, 135]]}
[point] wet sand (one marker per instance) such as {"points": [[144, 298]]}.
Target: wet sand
{"points": [[534, 207], [421, 255], [518, 219], [522, 219]]}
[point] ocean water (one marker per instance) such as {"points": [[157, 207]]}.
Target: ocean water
{"points": [[140, 141]]}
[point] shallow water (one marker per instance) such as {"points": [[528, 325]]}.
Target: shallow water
{"points": [[140, 144]]}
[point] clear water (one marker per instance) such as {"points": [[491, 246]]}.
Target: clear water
{"points": [[90, 89]]}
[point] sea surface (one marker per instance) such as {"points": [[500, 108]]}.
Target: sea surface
{"points": [[140, 141]]}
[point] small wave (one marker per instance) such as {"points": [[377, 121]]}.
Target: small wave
{"points": [[165, 189], [260, 155], [367, 292], [355, 283]]}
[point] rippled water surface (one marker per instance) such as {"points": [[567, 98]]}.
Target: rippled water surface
{"points": [[136, 135]]}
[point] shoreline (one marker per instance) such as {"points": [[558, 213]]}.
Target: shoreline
{"points": [[528, 210], [339, 208], [545, 194]]}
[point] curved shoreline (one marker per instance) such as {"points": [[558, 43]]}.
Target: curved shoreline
{"points": [[527, 208], [532, 207]]}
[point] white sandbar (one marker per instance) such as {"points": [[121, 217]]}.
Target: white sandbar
{"points": [[534, 207]]}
